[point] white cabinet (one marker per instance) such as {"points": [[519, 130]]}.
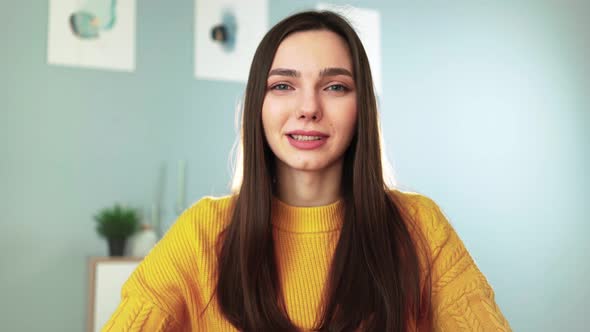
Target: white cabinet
{"points": [[106, 277]]}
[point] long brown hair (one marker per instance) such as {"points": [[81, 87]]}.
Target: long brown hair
{"points": [[374, 280]]}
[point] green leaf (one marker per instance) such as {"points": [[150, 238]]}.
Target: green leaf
{"points": [[117, 221]]}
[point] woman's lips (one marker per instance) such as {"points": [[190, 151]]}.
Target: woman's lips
{"points": [[306, 140]]}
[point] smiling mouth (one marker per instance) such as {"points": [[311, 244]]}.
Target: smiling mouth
{"points": [[305, 137]]}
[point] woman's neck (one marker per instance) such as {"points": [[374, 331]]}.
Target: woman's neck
{"points": [[309, 188]]}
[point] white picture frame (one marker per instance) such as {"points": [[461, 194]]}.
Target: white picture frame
{"points": [[94, 34], [216, 61]]}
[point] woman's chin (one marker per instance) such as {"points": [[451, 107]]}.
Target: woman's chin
{"points": [[308, 166]]}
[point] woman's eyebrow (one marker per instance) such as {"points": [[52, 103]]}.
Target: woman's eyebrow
{"points": [[331, 71], [335, 71], [284, 72]]}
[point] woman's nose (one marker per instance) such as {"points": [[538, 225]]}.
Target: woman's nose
{"points": [[309, 107]]}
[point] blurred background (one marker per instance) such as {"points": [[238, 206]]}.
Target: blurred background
{"points": [[484, 109]]}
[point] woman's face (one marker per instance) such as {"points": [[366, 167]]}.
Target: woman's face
{"points": [[309, 111]]}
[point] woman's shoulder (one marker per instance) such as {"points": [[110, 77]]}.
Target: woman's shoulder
{"points": [[211, 206], [423, 213], [209, 212], [412, 202]]}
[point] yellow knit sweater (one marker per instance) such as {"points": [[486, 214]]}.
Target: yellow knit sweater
{"points": [[172, 286]]}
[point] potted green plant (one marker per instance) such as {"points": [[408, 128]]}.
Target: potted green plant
{"points": [[116, 224]]}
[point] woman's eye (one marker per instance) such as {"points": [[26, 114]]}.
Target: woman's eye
{"points": [[280, 86], [337, 87]]}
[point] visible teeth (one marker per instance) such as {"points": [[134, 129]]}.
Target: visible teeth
{"points": [[306, 138]]}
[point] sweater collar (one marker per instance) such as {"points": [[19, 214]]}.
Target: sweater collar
{"points": [[316, 219]]}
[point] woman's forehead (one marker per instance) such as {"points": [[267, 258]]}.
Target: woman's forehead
{"points": [[313, 50]]}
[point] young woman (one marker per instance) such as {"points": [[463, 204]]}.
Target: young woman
{"points": [[313, 239]]}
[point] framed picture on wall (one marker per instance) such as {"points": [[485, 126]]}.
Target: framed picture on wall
{"points": [[97, 34]]}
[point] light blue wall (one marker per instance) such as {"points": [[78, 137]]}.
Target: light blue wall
{"points": [[487, 111], [484, 109]]}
